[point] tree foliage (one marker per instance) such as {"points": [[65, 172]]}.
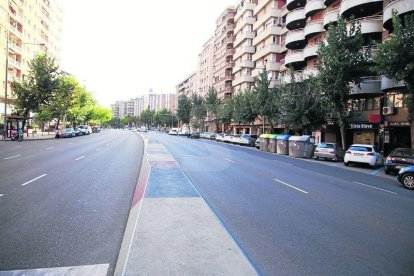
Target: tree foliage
{"points": [[213, 102], [184, 109], [198, 111], [244, 107]]}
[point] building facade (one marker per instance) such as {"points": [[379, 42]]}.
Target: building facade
{"points": [[29, 28], [205, 67], [188, 86]]}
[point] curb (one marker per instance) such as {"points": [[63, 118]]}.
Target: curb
{"points": [[134, 212]]}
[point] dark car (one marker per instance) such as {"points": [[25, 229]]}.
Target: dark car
{"points": [[194, 134], [398, 159], [406, 177]]}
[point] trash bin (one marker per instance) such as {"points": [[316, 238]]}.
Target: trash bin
{"points": [[264, 142], [301, 146], [272, 143], [282, 144]]}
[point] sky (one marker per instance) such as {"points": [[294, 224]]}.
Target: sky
{"points": [[120, 49]]}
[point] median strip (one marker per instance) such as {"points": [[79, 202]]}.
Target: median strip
{"points": [[34, 179], [79, 158], [11, 157], [293, 187], [366, 185]]}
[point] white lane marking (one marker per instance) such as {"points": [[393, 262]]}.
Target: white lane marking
{"points": [[283, 162], [229, 160], [1, 195], [18, 146], [293, 187], [366, 185], [108, 144], [50, 148], [11, 157], [98, 148], [70, 143], [34, 179], [79, 158], [203, 149]]}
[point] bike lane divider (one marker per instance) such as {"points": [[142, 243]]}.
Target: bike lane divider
{"points": [[176, 226], [34, 179]]}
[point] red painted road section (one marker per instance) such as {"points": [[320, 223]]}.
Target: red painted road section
{"points": [[142, 183]]}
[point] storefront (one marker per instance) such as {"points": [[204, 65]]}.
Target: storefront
{"points": [[396, 135], [362, 133]]}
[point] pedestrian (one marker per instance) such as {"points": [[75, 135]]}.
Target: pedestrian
{"points": [[57, 134]]}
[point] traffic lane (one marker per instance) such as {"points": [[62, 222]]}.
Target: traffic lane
{"points": [[345, 218], [39, 161], [75, 216]]}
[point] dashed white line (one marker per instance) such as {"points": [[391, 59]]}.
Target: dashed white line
{"points": [[293, 187], [229, 160], [283, 162], [50, 148], [98, 148], [203, 149], [34, 179], [11, 157], [79, 158], [108, 144], [366, 185], [1, 195], [18, 146], [70, 143]]}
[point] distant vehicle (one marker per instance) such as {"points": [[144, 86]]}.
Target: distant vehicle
{"points": [[227, 138], [220, 137], [330, 151], [235, 139], [85, 129], [212, 136], [184, 132], [205, 135], [142, 129], [173, 131], [398, 159], [248, 139], [257, 143], [363, 154], [70, 132], [195, 134], [406, 177]]}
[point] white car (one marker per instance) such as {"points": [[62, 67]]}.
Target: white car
{"points": [[235, 139], [227, 138], [184, 132], [363, 154], [84, 129], [173, 131], [142, 129], [220, 137]]}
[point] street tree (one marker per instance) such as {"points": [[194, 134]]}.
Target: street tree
{"points": [[103, 114], [184, 109], [341, 62], [38, 88], [213, 102], [83, 106], [225, 113], [147, 117], [198, 111], [244, 109], [395, 59]]}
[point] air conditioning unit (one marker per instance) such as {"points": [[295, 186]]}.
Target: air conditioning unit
{"points": [[387, 110], [330, 116]]}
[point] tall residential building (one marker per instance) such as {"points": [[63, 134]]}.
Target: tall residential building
{"points": [[223, 53], [243, 45], [188, 86], [25, 25], [205, 67]]}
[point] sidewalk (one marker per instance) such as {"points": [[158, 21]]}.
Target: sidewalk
{"points": [[175, 232], [33, 137]]}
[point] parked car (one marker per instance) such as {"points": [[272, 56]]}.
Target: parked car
{"points": [[173, 131], [205, 135], [219, 137], [248, 139], [227, 138], [398, 159], [331, 151], [85, 129], [142, 129], [406, 177], [257, 143], [184, 132], [194, 134], [212, 136], [363, 154], [235, 139], [77, 131], [70, 132]]}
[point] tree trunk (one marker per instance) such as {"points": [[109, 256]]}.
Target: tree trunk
{"points": [[342, 128]]}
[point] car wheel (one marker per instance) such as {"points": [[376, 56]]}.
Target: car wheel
{"points": [[346, 164], [408, 181]]}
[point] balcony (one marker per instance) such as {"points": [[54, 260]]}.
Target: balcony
{"points": [[244, 50], [297, 75], [241, 79], [229, 52], [310, 72], [274, 12], [247, 6], [369, 85], [314, 27], [294, 4], [296, 19], [273, 66], [229, 40], [241, 23], [330, 16], [15, 48], [247, 64], [227, 65], [295, 39], [243, 36], [371, 24], [401, 6], [15, 31], [270, 48], [389, 84], [294, 58], [311, 50], [272, 30], [360, 8], [313, 6], [15, 63], [16, 17]]}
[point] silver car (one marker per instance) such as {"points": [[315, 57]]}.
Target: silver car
{"points": [[248, 139], [330, 151]]}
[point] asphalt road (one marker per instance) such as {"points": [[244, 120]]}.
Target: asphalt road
{"points": [[66, 202], [299, 217]]}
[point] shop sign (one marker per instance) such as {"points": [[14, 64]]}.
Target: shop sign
{"points": [[362, 126], [374, 118], [399, 123]]}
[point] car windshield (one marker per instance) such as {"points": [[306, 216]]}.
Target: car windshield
{"points": [[327, 146], [403, 153], [360, 148]]}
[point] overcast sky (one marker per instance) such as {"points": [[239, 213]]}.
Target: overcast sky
{"points": [[120, 49]]}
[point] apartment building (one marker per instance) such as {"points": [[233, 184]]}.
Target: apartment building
{"points": [[188, 86], [223, 53], [205, 67], [243, 45], [25, 25]]}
